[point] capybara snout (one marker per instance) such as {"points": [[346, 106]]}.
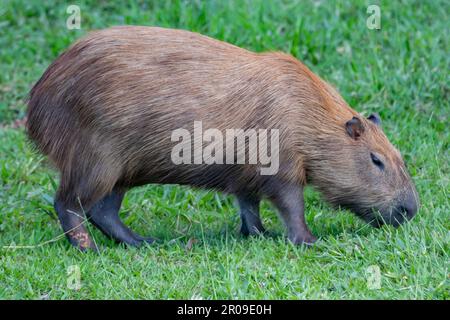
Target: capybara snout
{"points": [[403, 209], [106, 110]]}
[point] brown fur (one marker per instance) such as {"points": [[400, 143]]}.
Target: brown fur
{"points": [[104, 110]]}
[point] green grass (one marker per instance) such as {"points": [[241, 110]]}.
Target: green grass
{"points": [[400, 71]]}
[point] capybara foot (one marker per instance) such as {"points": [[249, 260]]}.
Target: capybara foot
{"points": [[72, 223], [251, 224], [105, 216], [254, 230], [145, 240], [81, 240], [303, 239]]}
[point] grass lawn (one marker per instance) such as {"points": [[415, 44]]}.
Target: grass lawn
{"points": [[400, 71]]}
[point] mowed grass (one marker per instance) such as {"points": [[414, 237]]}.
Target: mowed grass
{"points": [[400, 71]]}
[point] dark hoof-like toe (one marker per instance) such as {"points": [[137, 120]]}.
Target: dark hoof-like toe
{"points": [[138, 241], [254, 231], [307, 240], [146, 240]]}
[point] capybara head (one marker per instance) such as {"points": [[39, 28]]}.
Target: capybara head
{"points": [[362, 171]]}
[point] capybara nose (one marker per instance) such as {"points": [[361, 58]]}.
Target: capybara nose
{"points": [[409, 208]]}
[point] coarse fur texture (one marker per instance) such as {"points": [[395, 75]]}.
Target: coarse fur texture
{"points": [[103, 113]]}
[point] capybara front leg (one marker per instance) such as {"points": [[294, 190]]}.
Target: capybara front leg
{"points": [[105, 216], [250, 220], [289, 201], [73, 222]]}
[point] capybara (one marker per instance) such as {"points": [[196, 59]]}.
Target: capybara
{"points": [[105, 111]]}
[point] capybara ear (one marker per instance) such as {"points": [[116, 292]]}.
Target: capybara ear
{"points": [[375, 118], [354, 128]]}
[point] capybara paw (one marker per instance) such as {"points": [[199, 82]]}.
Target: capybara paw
{"points": [[139, 241], [148, 240], [253, 231], [302, 239], [82, 241]]}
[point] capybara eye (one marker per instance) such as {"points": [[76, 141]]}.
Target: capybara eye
{"points": [[376, 161]]}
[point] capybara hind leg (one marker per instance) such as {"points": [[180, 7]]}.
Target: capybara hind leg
{"points": [[250, 220], [73, 223], [105, 216], [289, 201]]}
